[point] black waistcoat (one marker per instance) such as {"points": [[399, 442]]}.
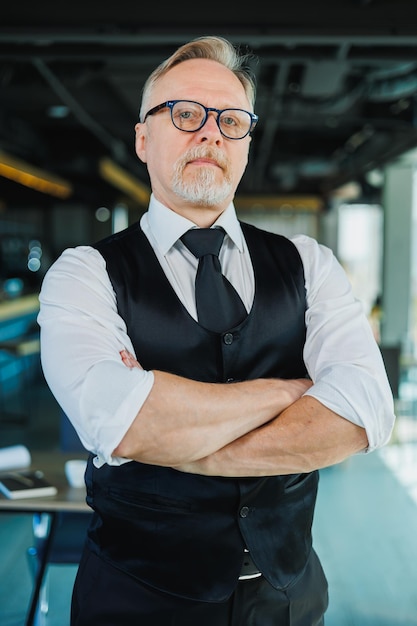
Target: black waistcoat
{"points": [[185, 533]]}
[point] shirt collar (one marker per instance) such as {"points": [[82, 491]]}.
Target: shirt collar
{"points": [[167, 226]]}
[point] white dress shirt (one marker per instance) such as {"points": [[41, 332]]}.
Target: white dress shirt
{"points": [[82, 333]]}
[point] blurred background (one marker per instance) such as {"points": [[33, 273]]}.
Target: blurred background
{"points": [[334, 156]]}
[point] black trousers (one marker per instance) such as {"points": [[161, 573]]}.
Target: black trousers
{"points": [[105, 596]]}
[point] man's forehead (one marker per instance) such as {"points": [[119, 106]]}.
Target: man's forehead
{"points": [[200, 79]]}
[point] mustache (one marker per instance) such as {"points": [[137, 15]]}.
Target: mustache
{"points": [[204, 152]]}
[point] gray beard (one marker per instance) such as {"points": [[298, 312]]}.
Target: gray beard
{"points": [[202, 190]]}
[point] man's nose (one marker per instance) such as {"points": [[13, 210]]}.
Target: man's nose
{"points": [[211, 125]]}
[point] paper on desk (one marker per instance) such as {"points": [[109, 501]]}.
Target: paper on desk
{"points": [[14, 457]]}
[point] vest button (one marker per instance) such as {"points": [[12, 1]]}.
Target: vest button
{"points": [[228, 339], [244, 511]]}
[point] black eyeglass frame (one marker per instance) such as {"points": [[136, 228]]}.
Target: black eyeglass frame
{"points": [[169, 104]]}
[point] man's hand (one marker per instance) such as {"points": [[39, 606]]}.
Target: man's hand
{"points": [[129, 360]]}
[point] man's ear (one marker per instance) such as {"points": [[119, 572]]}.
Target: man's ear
{"points": [[140, 141]]}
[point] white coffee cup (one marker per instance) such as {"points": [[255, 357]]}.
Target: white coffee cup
{"points": [[74, 471]]}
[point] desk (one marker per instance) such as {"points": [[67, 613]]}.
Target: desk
{"points": [[67, 499]]}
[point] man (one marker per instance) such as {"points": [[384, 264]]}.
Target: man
{"points": [[205, 444]]}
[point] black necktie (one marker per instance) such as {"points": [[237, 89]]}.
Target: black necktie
{"points": [[219, 306]]}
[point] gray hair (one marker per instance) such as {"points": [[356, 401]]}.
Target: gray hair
{"points": [[212, 48]]}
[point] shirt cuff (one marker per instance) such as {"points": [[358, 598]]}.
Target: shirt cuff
{"points": [[107, 413], [361, 401]]}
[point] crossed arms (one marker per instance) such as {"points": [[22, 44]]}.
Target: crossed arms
{"points": [[254, 428]]}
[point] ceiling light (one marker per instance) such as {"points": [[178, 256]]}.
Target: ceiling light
{"points": [[123, 180], [33, 177], [58, 111]]}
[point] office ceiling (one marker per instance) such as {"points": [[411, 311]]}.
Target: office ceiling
{"points": [[337, 87]]}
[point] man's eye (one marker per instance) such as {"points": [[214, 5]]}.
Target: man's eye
{"points": [[229, 121]]}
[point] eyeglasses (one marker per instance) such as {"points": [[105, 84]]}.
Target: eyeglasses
{"points": [[190, 116]]}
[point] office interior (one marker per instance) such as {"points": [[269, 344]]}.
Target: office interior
{"points": [[343, 172]]}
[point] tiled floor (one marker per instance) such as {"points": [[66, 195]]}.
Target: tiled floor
{"points": [[365, 531]]}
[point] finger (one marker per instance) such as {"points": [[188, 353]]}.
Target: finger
{"points": [[127, 358]]}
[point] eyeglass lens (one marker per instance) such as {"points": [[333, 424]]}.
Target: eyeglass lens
{"points": [[191, 116]]}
